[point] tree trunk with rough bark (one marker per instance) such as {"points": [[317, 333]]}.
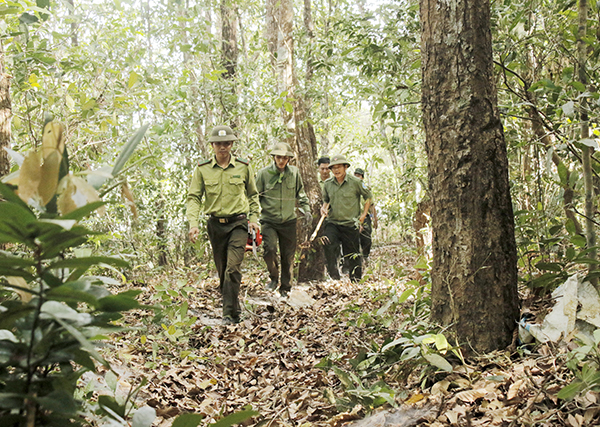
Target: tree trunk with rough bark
{"points": [[5, 116], [474, 272]]}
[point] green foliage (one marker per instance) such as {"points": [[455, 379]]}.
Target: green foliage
{"points": [[415, 349], [58, 315], [584, 362]]}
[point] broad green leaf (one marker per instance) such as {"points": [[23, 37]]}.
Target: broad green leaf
{"points": [[59, 401], [85, 343], [128, 150], [82, 212], [187, 420], [88, 262], [550, 266], [438, 361], [118, 302], [236, 418], [133, 79], [441, 343], [578, 240], [109, 402], [570, 391]]}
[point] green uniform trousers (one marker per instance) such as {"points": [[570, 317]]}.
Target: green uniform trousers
{"points": [[366, 239], [285, 235], [228, 241], [349, 238]]}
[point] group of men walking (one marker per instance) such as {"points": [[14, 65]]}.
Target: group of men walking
{"points": [[225, 189]]}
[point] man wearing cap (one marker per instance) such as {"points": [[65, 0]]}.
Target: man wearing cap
{"points": [[324, 172], [280, 187], [342, 195], [231, 202], [369, 224]]}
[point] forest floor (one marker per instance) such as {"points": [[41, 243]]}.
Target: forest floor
{"points": [[319, 357]]}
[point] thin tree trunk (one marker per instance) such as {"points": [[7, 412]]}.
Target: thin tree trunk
{"points": [[230, 52], [474, 272], [74, 41], [5, 116], [590, 232]]}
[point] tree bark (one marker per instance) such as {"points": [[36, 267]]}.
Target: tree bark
{"points": [[5, 116], [229, 46], [474, 272], [590, 232]]}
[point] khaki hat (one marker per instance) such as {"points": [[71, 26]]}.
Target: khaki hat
{"points": [[222, 134], [338, 159], [359, 171], [281, 149]]}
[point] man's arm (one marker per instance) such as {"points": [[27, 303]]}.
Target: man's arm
{"points": [[301, 195], [253, 201], [194, 204]]}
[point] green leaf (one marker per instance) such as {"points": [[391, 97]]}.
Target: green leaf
{"points": [[438, 361], [111, 403], [84, 211], [579, 86], [187, 420], [578, 241], [118, 302], [6, 10], [85, 343], [87, 262], [550, 266], [563, 173], [236, 418], [570, 391], [128, 150]]}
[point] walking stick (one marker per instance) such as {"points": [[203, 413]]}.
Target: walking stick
{"points": [[314, 234]]}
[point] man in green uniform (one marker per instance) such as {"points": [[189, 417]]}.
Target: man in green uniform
{"points": [[370, 223], [342, 195], [324, 172], [280, 186], [231, 201]]}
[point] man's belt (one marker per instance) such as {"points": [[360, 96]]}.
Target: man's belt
{"points": [[228, 219]]}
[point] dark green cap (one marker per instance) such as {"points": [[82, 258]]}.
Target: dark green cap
{"points": [[222, 133]]}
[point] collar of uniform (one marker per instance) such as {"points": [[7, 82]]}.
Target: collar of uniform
{"points": [[274, 168], [214, 163], [336, 181]]}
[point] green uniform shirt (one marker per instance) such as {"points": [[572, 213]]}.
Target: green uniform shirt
{"points": [[278, 193], [344, 199], [226, 192]]}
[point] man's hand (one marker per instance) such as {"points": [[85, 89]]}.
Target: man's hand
{"points": [[325, 209], [253, 226], [194, 233]]}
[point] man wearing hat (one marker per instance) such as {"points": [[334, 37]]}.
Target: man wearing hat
{"points": [[369, 224], [231, 202], [342, 196], [280, 187]]}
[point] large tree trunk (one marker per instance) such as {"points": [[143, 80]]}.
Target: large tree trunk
{"points": [[474, 273], [5, 116]]}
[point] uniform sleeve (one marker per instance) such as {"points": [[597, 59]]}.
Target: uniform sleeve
{"points": [[325, 193], [194, 198], [252, 194], [301, 195], [365, 192]]}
